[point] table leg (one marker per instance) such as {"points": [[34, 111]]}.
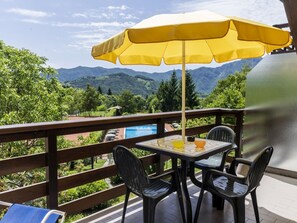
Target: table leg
{"points": [[183, 177]]}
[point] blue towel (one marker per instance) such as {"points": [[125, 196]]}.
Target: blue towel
{"points": [[18, 213]]}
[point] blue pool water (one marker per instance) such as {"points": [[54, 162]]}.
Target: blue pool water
{"points": [[140, 130]]}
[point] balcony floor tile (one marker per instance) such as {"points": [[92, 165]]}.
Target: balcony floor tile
{"points": [[277, 204]]}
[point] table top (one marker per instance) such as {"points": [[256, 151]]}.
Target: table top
{"points": [[188, 152]]}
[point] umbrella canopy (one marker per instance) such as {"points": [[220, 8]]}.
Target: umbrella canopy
{"points": [[196, 37]]}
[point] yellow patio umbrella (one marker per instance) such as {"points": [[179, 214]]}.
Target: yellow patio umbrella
{"points": [[195, 37]]}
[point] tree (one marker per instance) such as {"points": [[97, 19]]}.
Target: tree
{"points": [[152, 103], [172, 93], [127, 102], [161, 95], [109, 92], [140, 102], [29, 92], [191, 94], [74, 98], [167, 94], [99, 90], [90, 101], [230, 92]]}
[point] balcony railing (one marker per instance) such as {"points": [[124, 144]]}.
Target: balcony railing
{"points": [[52, 157]]}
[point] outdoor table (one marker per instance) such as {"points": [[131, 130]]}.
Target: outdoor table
{"points": [[189, 153]]}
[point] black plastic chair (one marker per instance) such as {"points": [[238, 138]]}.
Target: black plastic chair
{"points": [[150, 189], [217, 161], [234, 188]]}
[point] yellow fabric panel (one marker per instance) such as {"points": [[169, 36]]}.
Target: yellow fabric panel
{"points": [[207, 36], [194, 31]]}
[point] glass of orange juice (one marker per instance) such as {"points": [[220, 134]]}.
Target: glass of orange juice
{"points": [[200, 143]]}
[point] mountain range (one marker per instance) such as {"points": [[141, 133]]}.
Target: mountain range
{"points": [[144, 83]]}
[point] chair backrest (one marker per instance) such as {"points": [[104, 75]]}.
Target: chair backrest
{"points": [[28, 214], [258, 167], [224, 134], [221, 133], [130, 169]]}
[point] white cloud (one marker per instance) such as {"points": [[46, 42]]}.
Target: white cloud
{"points": [[34, 21], [266, 11], [94, 24], [127, 16], [29, 13], [81, 15], [122, 7], [86, 39]]}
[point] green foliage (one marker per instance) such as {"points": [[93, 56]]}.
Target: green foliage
{"points": [[94, 137], [28, 90], [74, 98], [81, 191], [99, 90], [116, 83], [90, 99], [170, 92], [167, 94], [130, 103], [152, 103], [229, 93], [191, 94]]}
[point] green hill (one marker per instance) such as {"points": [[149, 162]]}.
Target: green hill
{"points": [[117, 83], [144, 83]]}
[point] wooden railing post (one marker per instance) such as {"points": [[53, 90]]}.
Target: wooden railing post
{"points": [[218, 119], [160, 133], [239, 131], [52, 172]]}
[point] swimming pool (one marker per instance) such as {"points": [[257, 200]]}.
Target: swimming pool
{"points": [[141, 130]]}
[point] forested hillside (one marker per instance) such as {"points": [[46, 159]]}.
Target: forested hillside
{"points": [[143, 83], [117, 83]]}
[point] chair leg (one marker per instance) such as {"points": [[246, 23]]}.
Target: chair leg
{"points": [[198, 205], [255, 205], [181, 202], [238, 209], [125, 204], [148, 210], [218, 202], [193, 177]]}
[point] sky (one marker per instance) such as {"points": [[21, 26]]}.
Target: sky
{"points": [[64, 31]]}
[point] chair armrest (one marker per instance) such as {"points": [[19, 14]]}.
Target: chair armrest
{"points": [[234, 147], [61, 213], [235, 162], [243, 161], [166, 174], [3, 203], [211, 172]]}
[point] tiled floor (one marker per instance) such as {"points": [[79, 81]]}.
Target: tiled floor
{"points": [[277, 201]]}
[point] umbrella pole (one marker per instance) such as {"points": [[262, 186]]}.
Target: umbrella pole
{"points": [[183, 92]]}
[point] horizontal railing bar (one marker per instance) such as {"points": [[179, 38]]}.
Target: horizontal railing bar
{"points": [[24, 194], [96, 174], [92, 200], [98, 149], [69, 126], [86, 177], [23, 163]]}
